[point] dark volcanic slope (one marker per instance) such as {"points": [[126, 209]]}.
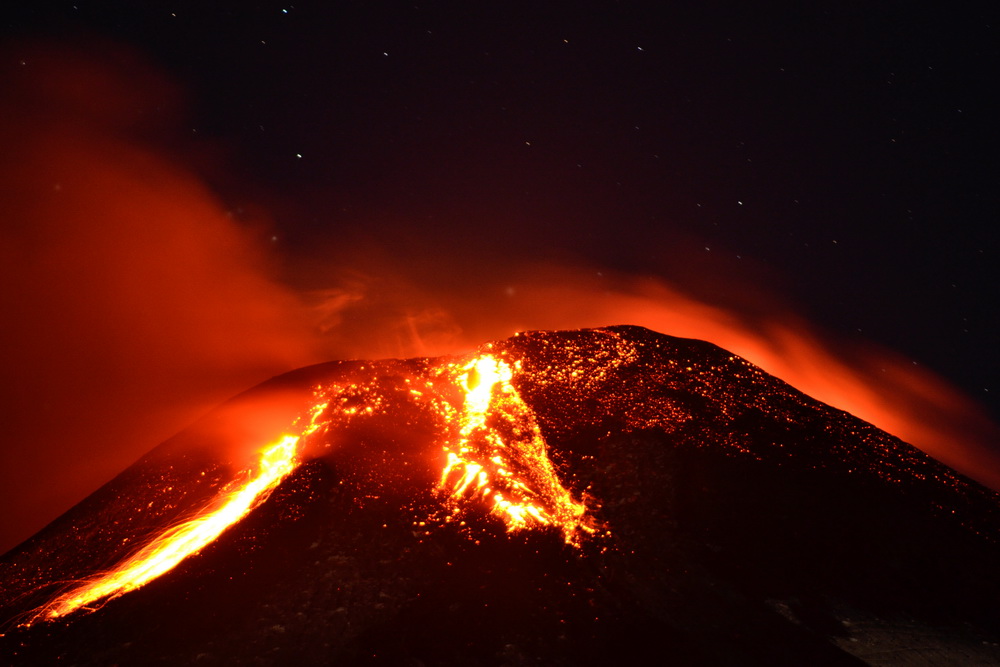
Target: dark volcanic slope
{"points": [[748, 524]]}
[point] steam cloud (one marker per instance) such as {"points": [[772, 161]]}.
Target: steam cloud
{"points": [[132, 301]]}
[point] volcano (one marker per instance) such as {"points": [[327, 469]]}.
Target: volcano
{"points": [[604, 496]]}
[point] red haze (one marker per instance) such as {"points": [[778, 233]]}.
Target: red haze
{"points": [[131, 301]]}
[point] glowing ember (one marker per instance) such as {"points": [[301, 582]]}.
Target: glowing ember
{"points": [[174, 545], [500, 456]]}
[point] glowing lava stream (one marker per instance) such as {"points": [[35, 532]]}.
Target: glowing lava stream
{"points": [[501, 456], [177, 543]]}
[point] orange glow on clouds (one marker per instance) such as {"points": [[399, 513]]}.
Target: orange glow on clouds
{"points": [[131, 301]]}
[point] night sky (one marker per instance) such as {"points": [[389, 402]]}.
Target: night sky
{"points": [[256, 186]]}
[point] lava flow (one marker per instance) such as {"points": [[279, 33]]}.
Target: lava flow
{"points": [[493, 452], [167, 550], [500, 456]]}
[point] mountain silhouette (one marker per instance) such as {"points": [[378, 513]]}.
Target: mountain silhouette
{"points": [[557, 498]]}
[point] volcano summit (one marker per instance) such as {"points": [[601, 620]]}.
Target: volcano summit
{"points": [[560, 498]]}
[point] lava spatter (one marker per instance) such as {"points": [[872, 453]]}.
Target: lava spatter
{"points": [[488, 447]]}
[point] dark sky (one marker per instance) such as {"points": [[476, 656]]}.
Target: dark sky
{"points": [[823, 168]]}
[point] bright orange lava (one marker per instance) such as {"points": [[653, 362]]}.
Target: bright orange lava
{"points": [[500, 456], [166, 551]]}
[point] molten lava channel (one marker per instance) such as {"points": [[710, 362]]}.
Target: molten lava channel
{"points": [[500, 457], [167, 550]]}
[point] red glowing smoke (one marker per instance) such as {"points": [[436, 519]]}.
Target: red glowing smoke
{"points": [[132, 302]]}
